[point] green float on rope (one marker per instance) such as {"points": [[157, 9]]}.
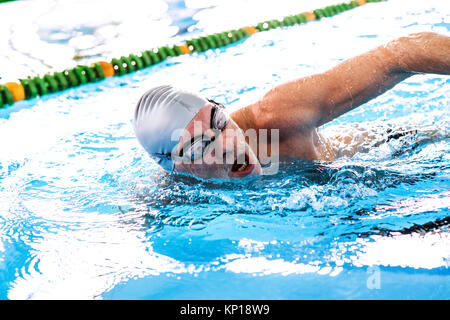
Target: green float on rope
{"points": [[160, 53], [147, 61], [62, 82], [40, 85], [98, 71], [80, 74], [71, 78], [118, 67], [52, 84], [127, 64], [7, 95], [29, 87], [154, 57], [137, 61], [177, 50], [90, 73]]}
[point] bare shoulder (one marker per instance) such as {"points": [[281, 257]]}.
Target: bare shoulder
{"points": [[289, 106]]}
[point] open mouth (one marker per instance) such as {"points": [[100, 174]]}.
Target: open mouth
{"points": [[241, 169]]}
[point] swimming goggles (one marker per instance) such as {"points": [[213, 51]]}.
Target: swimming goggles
{"points": [[198, 146]]}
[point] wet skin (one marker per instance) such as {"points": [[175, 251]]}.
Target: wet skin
{"points": [[298, 108], [229, 155]]}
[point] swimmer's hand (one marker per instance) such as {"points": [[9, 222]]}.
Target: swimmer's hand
{"points": [[307, 103]]}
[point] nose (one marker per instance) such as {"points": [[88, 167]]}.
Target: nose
{"points": [[221, 150]]}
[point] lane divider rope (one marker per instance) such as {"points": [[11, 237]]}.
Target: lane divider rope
{"points": [[33, 87]]}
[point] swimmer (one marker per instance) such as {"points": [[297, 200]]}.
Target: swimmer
{"points": [[187, 133]]}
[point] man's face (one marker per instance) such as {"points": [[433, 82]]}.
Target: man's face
{"points": [[213, 146]]}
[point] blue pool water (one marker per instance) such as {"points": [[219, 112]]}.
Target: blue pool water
{"points": [[85, 213]]}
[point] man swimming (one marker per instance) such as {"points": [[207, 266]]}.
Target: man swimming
{"points": [[187, 133]]}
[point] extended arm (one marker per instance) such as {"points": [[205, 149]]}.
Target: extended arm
{"points": [[312, 101]]}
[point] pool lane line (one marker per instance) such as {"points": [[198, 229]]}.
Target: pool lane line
{"points": [[33, 87]]}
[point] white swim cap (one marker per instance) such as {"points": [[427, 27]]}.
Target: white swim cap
{"points": [[160, 117]]}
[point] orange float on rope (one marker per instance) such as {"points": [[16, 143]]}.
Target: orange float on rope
{"points": [[310, 15], [107, 67], [17, 91], [251, 30], [361, 2], [184, 48]]}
